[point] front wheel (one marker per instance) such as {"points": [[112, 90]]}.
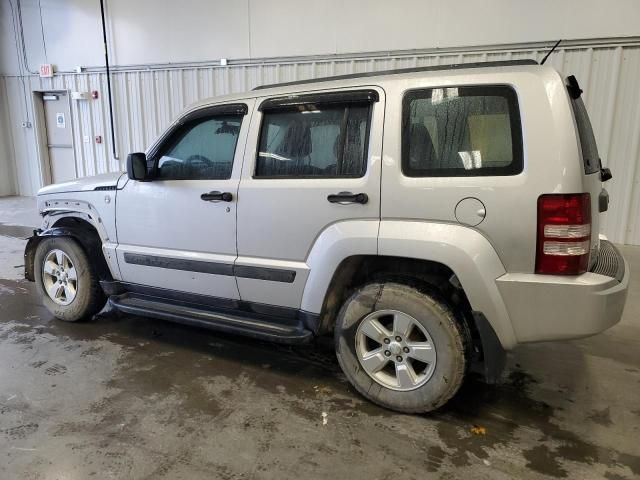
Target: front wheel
{"points": [[66, 280], [400, 348]]}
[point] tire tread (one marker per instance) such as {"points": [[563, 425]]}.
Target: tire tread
{"points": [[451, 324], [89, 300]]}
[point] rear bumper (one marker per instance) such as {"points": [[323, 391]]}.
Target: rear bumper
{"points": [[554, 307]]}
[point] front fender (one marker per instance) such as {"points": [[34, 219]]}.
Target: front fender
{"points": [[96, 208], [466, 252], [92, 245], [56, 209], [29, 255]]}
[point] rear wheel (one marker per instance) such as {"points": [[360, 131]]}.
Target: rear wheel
{"points": [[66, 280], [401, 348]]}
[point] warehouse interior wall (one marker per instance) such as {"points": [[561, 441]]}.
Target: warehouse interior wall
{"points": [[7, 171], [166, 58], [67, 33]]}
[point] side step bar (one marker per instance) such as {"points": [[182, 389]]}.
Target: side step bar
{"points": [[237, 322]]}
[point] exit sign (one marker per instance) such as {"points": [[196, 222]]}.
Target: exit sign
{"points": [[46, 70]]}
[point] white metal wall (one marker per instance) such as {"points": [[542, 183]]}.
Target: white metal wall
{"points": [[68, 33], [147, 100]]}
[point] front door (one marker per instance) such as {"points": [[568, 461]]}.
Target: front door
{"points": [[314, 164], [178, 231], [59, 137]]}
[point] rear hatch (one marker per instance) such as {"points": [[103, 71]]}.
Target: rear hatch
{"points": [[593, 173]]}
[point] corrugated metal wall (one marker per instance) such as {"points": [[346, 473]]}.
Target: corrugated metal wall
{"points": [[147, 100]]}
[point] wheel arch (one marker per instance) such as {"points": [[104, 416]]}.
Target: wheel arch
{"points": [[357, 270], [454, 255], [469, 255], [411, 246], [74, 226], [485, 350]]}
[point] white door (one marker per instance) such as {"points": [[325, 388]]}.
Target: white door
{"points": [[304, 150], [178, 231], [57, 115]]}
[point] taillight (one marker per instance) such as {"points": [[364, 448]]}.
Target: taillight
{"points": [[564, 234]]}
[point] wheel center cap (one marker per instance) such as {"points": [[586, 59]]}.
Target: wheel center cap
{"points": [[395, 348]]}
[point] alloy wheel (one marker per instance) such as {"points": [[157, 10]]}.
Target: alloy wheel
{"points": [[395, 350], [59, 277]]}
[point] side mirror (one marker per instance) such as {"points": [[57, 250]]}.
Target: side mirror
{"points": [[137, 167]]}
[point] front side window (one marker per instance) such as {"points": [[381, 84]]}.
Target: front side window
{"points": [[461, 131], [314, 140], [201, 150]]}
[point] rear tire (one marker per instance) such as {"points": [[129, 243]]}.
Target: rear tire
{"points": [[417, 361], [66, 280]]}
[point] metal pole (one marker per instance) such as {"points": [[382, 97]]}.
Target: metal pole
{"points": [[106, 61]]}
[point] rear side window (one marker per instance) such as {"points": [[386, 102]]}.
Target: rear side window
{"points": [[590, 155], [314, 141], [461, 131]]}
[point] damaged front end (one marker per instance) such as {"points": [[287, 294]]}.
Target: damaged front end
{"points": [[30, 254]]}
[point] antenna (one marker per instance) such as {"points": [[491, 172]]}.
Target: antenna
{"points": [[550, 52]]}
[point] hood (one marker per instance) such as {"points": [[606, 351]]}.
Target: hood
{"points": [[83, 184]]}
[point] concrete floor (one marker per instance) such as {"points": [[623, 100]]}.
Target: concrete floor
{"points": [[126, 397]]}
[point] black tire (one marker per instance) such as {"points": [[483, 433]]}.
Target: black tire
{"points": [[430, 312], [89, 298]]}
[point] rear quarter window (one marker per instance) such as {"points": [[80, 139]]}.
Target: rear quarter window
{"points": [[461, 131]]}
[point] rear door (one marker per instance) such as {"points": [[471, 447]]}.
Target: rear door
{"points": [[314, 161], [178, 231]]}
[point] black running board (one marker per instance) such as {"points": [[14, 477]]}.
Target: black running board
{"points": [[236, 322]]}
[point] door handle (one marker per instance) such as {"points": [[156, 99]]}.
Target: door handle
{"points": [[216, 196], [348, 197]]}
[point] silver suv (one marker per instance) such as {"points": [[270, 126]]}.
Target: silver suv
{"points": [[429, 218]]}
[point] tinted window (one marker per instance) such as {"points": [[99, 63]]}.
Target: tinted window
{"points": [[461, 131], [590, 155], [201, 150], [314, 141]]}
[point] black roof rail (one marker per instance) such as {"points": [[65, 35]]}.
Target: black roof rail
{"points": [[434, 68]]}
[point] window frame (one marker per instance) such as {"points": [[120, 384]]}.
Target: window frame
{"points": [[295, 103], [516, 167], [177, 131]]}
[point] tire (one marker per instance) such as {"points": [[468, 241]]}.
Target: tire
{"points": [[88, 298], [432, 322]]}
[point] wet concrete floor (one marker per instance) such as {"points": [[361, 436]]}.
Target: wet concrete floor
{"points": [[128, 397]]}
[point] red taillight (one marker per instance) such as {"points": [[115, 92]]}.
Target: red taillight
{"points": [[564, 234]]}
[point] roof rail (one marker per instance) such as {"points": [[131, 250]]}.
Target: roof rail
{"points": [[434, 68]]}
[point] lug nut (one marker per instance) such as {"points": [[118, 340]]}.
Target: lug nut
{"points": [[405, 349], [398, 338], [399, 358], [387, 353], [387, 341]]}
